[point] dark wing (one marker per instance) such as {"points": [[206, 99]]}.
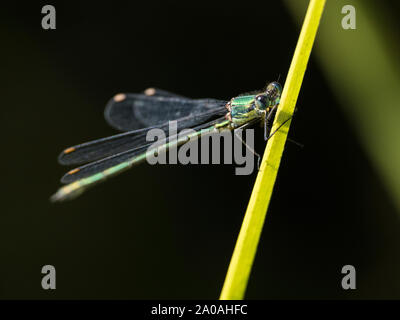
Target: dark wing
{"points": [[130, 111], [105, 147], [102, 164], [135, 154]]}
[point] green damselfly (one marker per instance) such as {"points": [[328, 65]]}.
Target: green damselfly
{"points": [[136, 114]]}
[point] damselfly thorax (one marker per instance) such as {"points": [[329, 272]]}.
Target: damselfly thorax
{"points": [[243, 109]]}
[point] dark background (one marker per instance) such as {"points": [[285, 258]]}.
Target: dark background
{"points": [[169, 231]]}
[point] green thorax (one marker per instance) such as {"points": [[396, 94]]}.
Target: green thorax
{"points": [[243, 109]]}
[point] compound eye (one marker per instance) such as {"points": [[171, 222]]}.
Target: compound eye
{"points": [[274, 90], [261, 102]]}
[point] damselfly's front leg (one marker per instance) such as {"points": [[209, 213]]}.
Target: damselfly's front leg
{"points": [[267, 122], [246, 145]]}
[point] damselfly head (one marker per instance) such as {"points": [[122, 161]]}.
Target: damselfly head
{"points": [[274, 91]]}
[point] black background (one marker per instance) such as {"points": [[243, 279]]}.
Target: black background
{"points": [[169, 231]]}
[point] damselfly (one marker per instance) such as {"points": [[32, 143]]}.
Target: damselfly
{"points": [[136, 114]]}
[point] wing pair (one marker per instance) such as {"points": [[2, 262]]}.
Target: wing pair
{"points": [[136, 114]]}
